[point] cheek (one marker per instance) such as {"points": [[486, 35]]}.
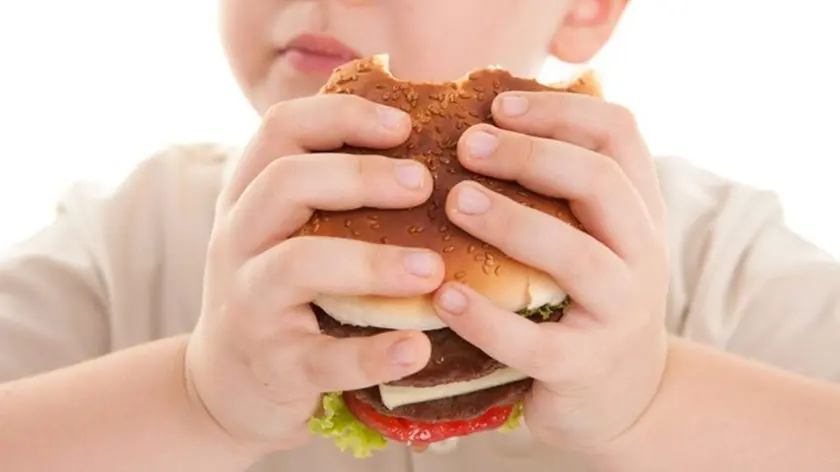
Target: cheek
{"points": [[243, 24]]}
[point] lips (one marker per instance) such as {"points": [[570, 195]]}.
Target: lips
{"points": [[317, 54]]}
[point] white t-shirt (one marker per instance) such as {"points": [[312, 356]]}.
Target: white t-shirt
{"points": [[124, 267]]}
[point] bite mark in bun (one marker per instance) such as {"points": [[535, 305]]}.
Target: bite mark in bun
{"points": [[462, 390]]}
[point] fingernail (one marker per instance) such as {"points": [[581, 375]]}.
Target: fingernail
{"points": [[389, 117], [514, 105], [472, 201], [410, 175], [452, 301], [420, 263], [403, 352], [481, 144]]}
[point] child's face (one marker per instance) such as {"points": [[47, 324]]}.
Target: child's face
{"points": [[426, 39]]}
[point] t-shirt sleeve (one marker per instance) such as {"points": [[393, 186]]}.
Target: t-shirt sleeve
{"points": [[53, 301], [743, 280], [112, 266]]}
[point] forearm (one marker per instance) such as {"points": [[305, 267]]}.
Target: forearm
{"points": [[129, 411], [718, 412]]}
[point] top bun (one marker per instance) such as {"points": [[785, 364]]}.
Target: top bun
{"points": [[440, 113]]}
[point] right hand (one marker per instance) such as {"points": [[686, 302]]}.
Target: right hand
{"points": [[256, 361]]}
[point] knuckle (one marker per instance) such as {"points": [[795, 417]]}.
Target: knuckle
{"points": [[368, 361], [531, 157], [238, 240], [378, 261], [506, 222], [556, 104], [585, 259], [274, 127], [278, 183], [360, 179], [284, 259], [287, 182], [605, 176], [221, 237], [622, 120], [223, 206], [622, 116], [348, 109], [282, 173], [315, 372], [249, 275], [277, 115], [363, 167], [352, 105], [291, 253], [274, 360], [592, 257]]}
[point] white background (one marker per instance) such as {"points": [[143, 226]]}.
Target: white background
{"points": [[746, 88]]}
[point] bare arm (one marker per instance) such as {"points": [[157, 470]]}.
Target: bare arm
{"points": [[746, 284], [128, 411], [83, 287], [715, 411]]}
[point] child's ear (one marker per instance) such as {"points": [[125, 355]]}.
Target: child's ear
{"points": [[586, 29]]}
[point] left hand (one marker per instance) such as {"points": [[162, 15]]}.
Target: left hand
{"points": [[597, 369]]}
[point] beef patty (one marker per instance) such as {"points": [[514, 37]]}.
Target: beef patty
{"points": [[453, 359]]}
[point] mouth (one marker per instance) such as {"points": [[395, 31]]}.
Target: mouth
{"points": [[317, 54]]}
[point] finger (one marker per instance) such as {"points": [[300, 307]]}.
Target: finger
{"points": [[317, 123], [514, 340], [588, 122], [281, 199], [601, 195], [295, 271], [581, 265], [329, 364]]}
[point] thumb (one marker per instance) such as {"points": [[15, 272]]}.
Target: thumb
{"points": [[330, 364]]}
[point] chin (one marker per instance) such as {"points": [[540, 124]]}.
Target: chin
{"points": [[461, 391]]}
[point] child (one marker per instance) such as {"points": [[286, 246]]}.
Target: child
{"points": [[189, 244]]}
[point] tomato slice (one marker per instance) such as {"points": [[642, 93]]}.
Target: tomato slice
{"points": [[416, 432]]}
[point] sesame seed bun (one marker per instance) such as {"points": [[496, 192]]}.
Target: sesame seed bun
{"points": [[440, 113]]}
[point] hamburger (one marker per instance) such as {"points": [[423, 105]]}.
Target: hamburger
{"points": [[461, 390]]}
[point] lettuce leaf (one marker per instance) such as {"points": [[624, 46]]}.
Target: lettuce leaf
{"points": [[338, 424], [514, 420], [545, 311]]}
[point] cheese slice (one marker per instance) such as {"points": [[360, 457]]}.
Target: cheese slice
{"points": [[394, 396]]}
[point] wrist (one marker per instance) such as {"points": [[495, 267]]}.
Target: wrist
{"points": [[206, 421], [611, 455]]}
